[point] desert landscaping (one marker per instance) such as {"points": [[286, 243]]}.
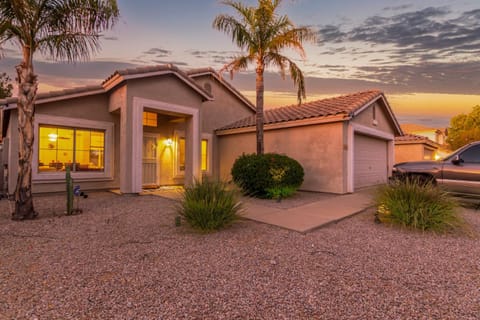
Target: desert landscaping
{"points": [[124, 258]]}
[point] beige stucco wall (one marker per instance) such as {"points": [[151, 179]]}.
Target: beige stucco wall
{"points": [[383, 122], [90, 108], [166, 88], [226, 108], [318, 148], [413, 152]]}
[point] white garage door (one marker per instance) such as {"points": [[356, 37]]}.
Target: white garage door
{"points": [[370, 161]]}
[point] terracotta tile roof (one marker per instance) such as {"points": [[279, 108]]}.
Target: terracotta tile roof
{"points": [[158, 68], [59, 93], [410, 137], [125, 72], [413, 138], [345, 105], [142, 70]]}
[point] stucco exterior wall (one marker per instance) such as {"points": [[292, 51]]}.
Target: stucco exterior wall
{"points": [[89, 108], [413, 152], [117, 98], [226, 108], [318, 148], [383, 122], [166, 88]]}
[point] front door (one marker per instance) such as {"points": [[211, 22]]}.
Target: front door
{"points": [[150, 161]]}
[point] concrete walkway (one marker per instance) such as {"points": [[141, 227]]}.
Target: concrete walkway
{"points": [[313, 215]]}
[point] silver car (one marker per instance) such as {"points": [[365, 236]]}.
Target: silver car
{"points": [[459, 172]]}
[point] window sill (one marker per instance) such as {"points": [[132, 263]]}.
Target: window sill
{"points": [[60, 177]]}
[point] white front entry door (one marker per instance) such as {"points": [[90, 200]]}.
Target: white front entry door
{"points": [[150, 161]]}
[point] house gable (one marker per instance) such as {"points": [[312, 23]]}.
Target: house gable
{"points": [[377, 115]]}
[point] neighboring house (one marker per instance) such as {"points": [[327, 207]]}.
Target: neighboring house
{"points": [[343, 143], [142, 127], [410, 147], [436, 135]]}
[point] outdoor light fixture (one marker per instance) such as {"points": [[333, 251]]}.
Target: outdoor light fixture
{"points": [[168, 142]]}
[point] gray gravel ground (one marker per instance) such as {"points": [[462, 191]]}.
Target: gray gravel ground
{"points": [[123, 258]]}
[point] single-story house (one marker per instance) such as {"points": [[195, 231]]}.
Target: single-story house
{"points": [[343, 143], [141, 127], [411, 147], [160, 126], [439, 136]]}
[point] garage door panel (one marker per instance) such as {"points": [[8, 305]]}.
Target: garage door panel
{"points": [[370, 161]]}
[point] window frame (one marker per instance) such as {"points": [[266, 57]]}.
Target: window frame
{"points": [[74, 123], [179, 134]]}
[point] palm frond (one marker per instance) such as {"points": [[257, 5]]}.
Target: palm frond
{"points": [[63, 29], [238, 64], [231, 26]]}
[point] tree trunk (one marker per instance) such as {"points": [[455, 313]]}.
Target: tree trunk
{"points": [[259, 116], [27, 90]]}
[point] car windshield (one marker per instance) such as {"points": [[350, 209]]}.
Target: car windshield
{"points": [[449, 156]]}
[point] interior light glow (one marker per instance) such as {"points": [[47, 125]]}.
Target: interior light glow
{"points": [[52, 137]]}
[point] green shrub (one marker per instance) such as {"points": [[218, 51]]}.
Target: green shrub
{"points": [[257, 174], [209, 205], [281, 192], [422, 206]]}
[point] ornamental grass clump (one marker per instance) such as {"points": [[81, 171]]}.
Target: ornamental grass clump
{"points": [[422, 206], [209, 205]]}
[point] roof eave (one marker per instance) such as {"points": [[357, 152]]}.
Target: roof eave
{"points": [[231, 88], [286, 124], [389, 110], [118, 79]]}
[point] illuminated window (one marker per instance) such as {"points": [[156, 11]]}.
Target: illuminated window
{"points": [[181, 154], [78, 149], [204, 155], [149, 119]]}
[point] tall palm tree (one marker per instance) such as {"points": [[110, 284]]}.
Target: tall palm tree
{"points": [[262, 34], [63, 29]]}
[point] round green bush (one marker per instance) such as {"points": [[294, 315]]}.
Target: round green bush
{"points": [[257, 174]]}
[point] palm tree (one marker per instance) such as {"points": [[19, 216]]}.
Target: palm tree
{"points": [[63, 29], [262, 34]]}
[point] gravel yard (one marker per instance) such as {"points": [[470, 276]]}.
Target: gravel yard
{"points": [[123, 258]]}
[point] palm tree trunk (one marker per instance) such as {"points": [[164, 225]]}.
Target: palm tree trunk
{"points": [[259, 116], [27, 90]]}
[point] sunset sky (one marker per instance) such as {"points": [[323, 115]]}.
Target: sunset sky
{"points": [[424, 54]]}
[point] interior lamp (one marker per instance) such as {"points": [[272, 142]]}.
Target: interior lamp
{"points": [[52, 137]]}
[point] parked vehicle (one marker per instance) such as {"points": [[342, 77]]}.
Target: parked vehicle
{"points": [[458, 172]]}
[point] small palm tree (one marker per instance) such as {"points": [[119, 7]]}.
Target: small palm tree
{"points": [[63, 29], [262, 34]]}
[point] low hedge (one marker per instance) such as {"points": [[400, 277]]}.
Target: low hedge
{"points": [[258, 175]]}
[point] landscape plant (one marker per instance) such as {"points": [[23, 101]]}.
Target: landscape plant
{"points": [[268, 175], [209, 205], [63, 30], [262, 34], [423, 206]]}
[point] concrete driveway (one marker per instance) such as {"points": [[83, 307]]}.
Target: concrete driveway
{"points": [[329, 208]]}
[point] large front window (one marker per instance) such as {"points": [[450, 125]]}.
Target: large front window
{"points": [[79, 149]]}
